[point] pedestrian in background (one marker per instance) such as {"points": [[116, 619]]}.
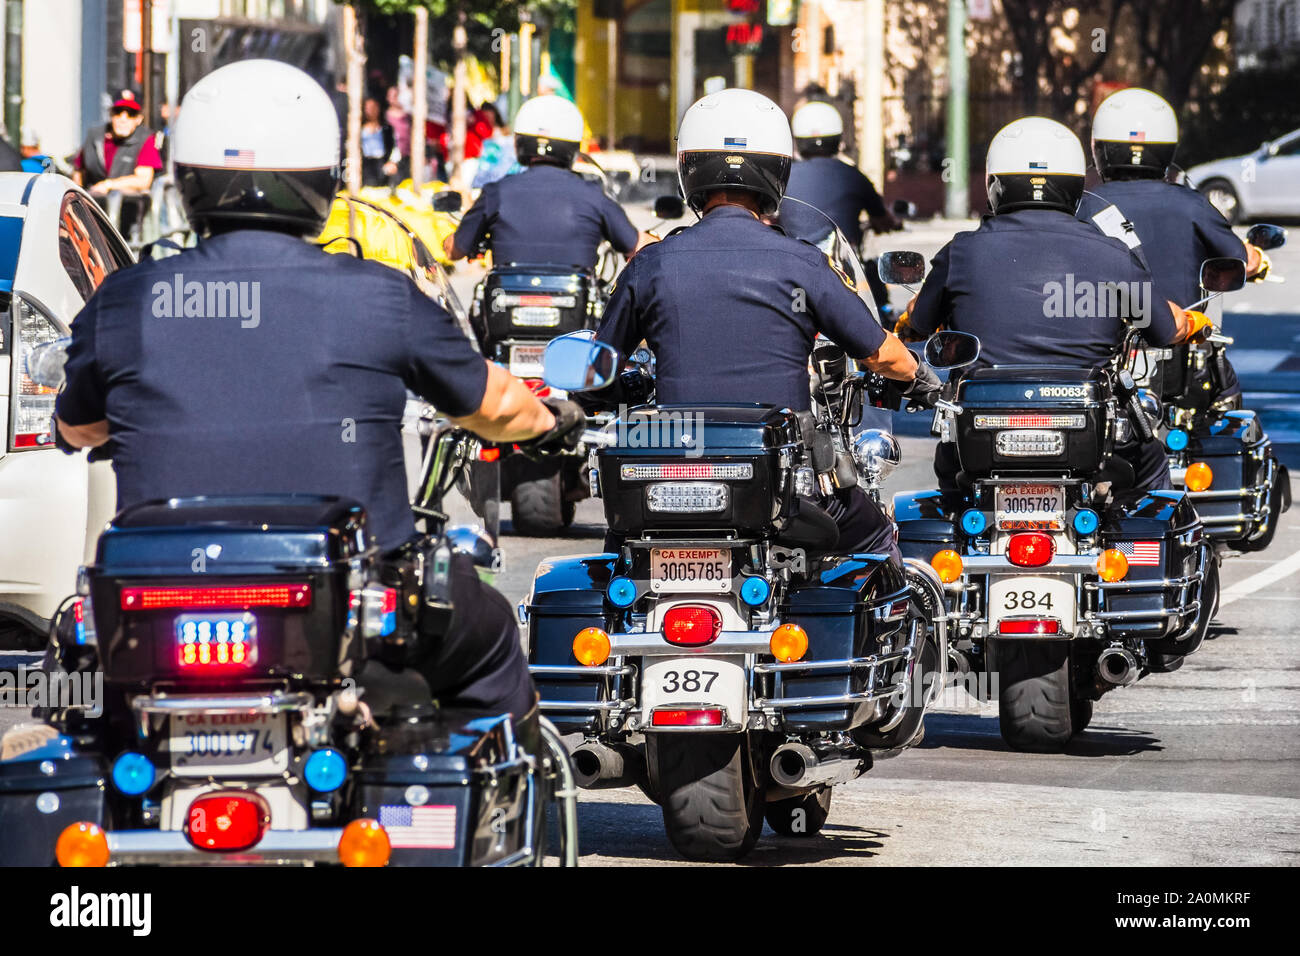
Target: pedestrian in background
{"points": [[377, 146], [120, 156]]}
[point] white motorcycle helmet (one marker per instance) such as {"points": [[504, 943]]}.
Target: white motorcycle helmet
{"points": [[817, 129], [1034, 163], [257, 144], [548, 129], [735, 140], [1134, 135]]}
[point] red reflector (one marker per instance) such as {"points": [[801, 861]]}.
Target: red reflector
{"points": [[1029, 627], [1030, 550], [227, 821], [258, 595], [489, 454], [692, 625], [686, 718], [534, 300]]}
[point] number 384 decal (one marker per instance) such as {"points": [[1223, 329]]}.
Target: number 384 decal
{"points": [[1027, 600], [688, 681]]}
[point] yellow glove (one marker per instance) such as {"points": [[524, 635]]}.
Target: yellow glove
{"points": [[1199, 325], [1265, 264]]}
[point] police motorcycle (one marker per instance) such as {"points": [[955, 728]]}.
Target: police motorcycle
{"points": [[1218, 452], [516, 310], [1059, 586], [238, 722], [725, 659]]}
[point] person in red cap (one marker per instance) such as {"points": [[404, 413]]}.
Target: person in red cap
{"points": [[122, 155]]}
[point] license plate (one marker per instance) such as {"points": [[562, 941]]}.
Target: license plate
{"points": [[526, 360], [690, 569], [203, 744], [1030, 507], [1032, 597], [706, 682]]}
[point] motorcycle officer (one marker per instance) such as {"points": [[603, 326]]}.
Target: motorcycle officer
{"points": [[1134, 138], [1003, 281], [841, 191], [257, 363], [548, 213], [730, 306]]}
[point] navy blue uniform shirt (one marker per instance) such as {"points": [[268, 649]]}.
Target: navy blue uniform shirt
{"points": [[296, 384], [730, 307], [545, 215], [837, 189], [1035, 286], [1179, 229]]}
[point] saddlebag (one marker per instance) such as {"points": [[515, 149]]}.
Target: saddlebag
{"points": [[41, 793]]}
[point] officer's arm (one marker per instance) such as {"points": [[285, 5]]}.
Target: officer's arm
{"points": [[509, 410], [847, 321], [619, 230], [81, 410], [84, 436], [474, 225], [893, 359]]}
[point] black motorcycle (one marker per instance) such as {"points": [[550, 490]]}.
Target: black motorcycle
{"points": [[726, 658], [1061, 583], [244, 715]]}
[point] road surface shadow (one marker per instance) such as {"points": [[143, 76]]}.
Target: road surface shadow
{"points": [[971, 732], [594, 532], [635, 831]]}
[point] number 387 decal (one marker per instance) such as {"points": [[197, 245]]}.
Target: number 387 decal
{"points": [[688, 681]]}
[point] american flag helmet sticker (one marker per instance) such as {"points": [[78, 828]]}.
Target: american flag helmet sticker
{"points": [[1137, 136], [734, 142], [428, 828], [238, 158], [1140, 553], [1038, 165]]}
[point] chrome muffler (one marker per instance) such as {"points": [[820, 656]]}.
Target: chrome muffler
{"points": [[796, 766], [1117, 667], [597, 766]]}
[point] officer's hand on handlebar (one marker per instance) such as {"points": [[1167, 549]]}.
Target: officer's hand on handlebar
{"points": [[1199, 325], [923, 391], [564, 436]]}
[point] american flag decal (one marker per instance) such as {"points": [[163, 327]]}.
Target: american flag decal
{"points": [[734, 142], [1140, 553], [1033, 165], [1137, 136], [431, 827], [239, 158]]}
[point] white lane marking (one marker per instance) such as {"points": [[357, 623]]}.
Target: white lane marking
{"points": [[1260, 579]]}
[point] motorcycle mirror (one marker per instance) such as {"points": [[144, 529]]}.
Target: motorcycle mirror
{"points": [[903, 209], [1223, 274], [951, 349], [1265, 236], [575, 363], [901, 268], [45, 363], [447, 201], [669, 207]]}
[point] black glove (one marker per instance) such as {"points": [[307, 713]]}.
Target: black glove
{"points": [[923, 391], [566, 435]]}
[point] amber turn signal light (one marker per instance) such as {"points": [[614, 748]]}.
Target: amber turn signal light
{"points": [[1199, 476], [947, 564], [1112, 565], [789, 643], [591, 646], [364, 843], [82, 844]]}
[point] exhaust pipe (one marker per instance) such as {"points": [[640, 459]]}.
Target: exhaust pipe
{"points": [[796, 766], [1117, 667], [600, 767]]}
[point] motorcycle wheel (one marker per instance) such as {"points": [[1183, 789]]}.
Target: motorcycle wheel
{"points": [[713, 809], [799, 816], [538, 508], [1035, 711]]}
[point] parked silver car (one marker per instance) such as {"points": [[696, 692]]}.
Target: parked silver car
{"points": [[1264, 184]]}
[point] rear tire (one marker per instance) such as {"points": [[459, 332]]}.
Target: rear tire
{"points": [[712, 808], [1080, 714], [1035, 712], [538, 508], [799, 816]]}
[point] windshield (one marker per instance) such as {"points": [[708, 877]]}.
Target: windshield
{"points": [[802, 221]]}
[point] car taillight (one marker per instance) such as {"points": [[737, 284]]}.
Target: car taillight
{"points": [[692, 625], [707, 717], [227, 821], [33, 404], [232, 596], [1044, 626], [1030, 550]]}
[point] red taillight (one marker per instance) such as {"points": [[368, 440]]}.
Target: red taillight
{"points": [[227, 821], [692, 625], [534, 300], [489, 454], [1030, 550], [686, 718], [1029, 627], [261, 595]]}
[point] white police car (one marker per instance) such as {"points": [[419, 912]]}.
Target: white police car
{"points": [[56, 247]]}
